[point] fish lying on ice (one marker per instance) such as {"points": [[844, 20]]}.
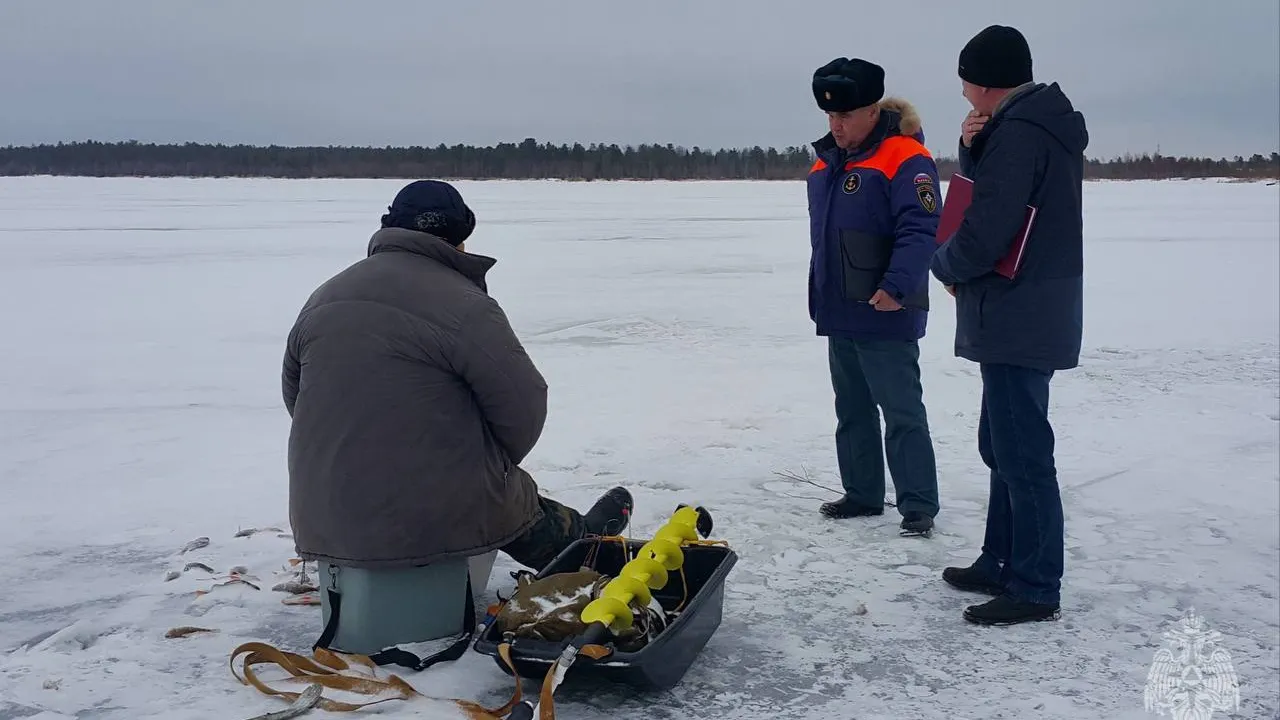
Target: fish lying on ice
{"points": [[186, 630], [253, 531], [307, 699], [295, 587]]}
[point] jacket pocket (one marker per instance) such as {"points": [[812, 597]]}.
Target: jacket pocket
{"points": [[864, 258]]}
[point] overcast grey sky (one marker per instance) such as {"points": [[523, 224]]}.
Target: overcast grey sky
{"points": [[1190, 76]]}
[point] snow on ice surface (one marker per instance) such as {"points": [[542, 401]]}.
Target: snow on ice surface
{"points": [[143, 324]]}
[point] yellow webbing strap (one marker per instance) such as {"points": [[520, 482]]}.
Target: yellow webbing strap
{"points": [[330, 669]]}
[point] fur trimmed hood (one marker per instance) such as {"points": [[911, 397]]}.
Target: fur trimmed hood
{"points": [[904, 119], [909, 121]]}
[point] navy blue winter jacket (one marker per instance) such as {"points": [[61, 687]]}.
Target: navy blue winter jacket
{"points": [[873, 217], [1030, 152]]}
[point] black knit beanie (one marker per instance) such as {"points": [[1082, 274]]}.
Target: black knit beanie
{"points": [[431, 206], [997, 57], [843, 84]]}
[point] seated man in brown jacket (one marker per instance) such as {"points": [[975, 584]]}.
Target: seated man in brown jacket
{"points": [[413, 405]]}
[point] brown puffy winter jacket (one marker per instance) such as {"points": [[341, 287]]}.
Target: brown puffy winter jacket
{"points": [[413, 403]]}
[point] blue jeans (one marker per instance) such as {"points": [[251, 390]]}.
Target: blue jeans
{"points": [[868, 376], [1023, 547]]}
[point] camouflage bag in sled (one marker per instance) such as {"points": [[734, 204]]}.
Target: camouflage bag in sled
{"points": [[550, 609]]}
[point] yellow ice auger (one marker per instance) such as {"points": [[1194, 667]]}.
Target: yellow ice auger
{"points": [[611, 612]]}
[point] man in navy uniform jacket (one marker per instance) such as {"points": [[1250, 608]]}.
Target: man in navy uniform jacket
{"points": [[873, 214], [1023, 144]]}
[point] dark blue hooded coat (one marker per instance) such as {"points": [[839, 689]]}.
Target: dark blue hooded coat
{"points": [[1031, 152]]}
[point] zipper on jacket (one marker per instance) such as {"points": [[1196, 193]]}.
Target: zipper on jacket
{"points": [[836, 169]]}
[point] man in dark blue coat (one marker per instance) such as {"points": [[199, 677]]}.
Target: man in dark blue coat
{"points": [[1023, 144], [873, 213]]}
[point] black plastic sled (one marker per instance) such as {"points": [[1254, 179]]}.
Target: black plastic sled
{"points": [[661, 663]]}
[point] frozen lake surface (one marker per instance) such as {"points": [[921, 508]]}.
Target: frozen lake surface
{"points": [[143, 327]]}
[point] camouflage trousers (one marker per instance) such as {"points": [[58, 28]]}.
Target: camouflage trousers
{"points": [[558, 528]]}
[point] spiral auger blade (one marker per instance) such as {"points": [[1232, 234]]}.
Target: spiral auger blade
{"points": [[610, 613]]}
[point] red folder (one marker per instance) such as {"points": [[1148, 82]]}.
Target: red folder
{"points": [[959, 195]]}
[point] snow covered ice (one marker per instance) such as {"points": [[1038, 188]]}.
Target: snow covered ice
{"points": [[143, 324]]}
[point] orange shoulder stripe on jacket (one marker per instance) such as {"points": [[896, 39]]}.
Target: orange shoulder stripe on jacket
{"points": [[890, 156], [819, 164]]}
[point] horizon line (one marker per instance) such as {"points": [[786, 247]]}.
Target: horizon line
{"points": [[541, 144]]}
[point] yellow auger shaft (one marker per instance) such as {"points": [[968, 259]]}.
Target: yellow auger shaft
{"points": [[648, 570], [611, 612]]}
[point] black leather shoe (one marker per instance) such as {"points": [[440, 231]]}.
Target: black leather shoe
{"points": [[916, 523], [1006, 610], [845, 508], [970, 580]]}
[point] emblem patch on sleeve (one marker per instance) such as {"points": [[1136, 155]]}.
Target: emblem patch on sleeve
{"points": [[852, 183], [925, 193]]}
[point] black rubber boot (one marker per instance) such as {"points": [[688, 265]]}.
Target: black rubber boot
{"points": [[1005, 610], [970, 579], [846, 508], [611, 513]]}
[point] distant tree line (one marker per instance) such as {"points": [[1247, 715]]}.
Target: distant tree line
{"points": [[517, 161], [1159, 167]]}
